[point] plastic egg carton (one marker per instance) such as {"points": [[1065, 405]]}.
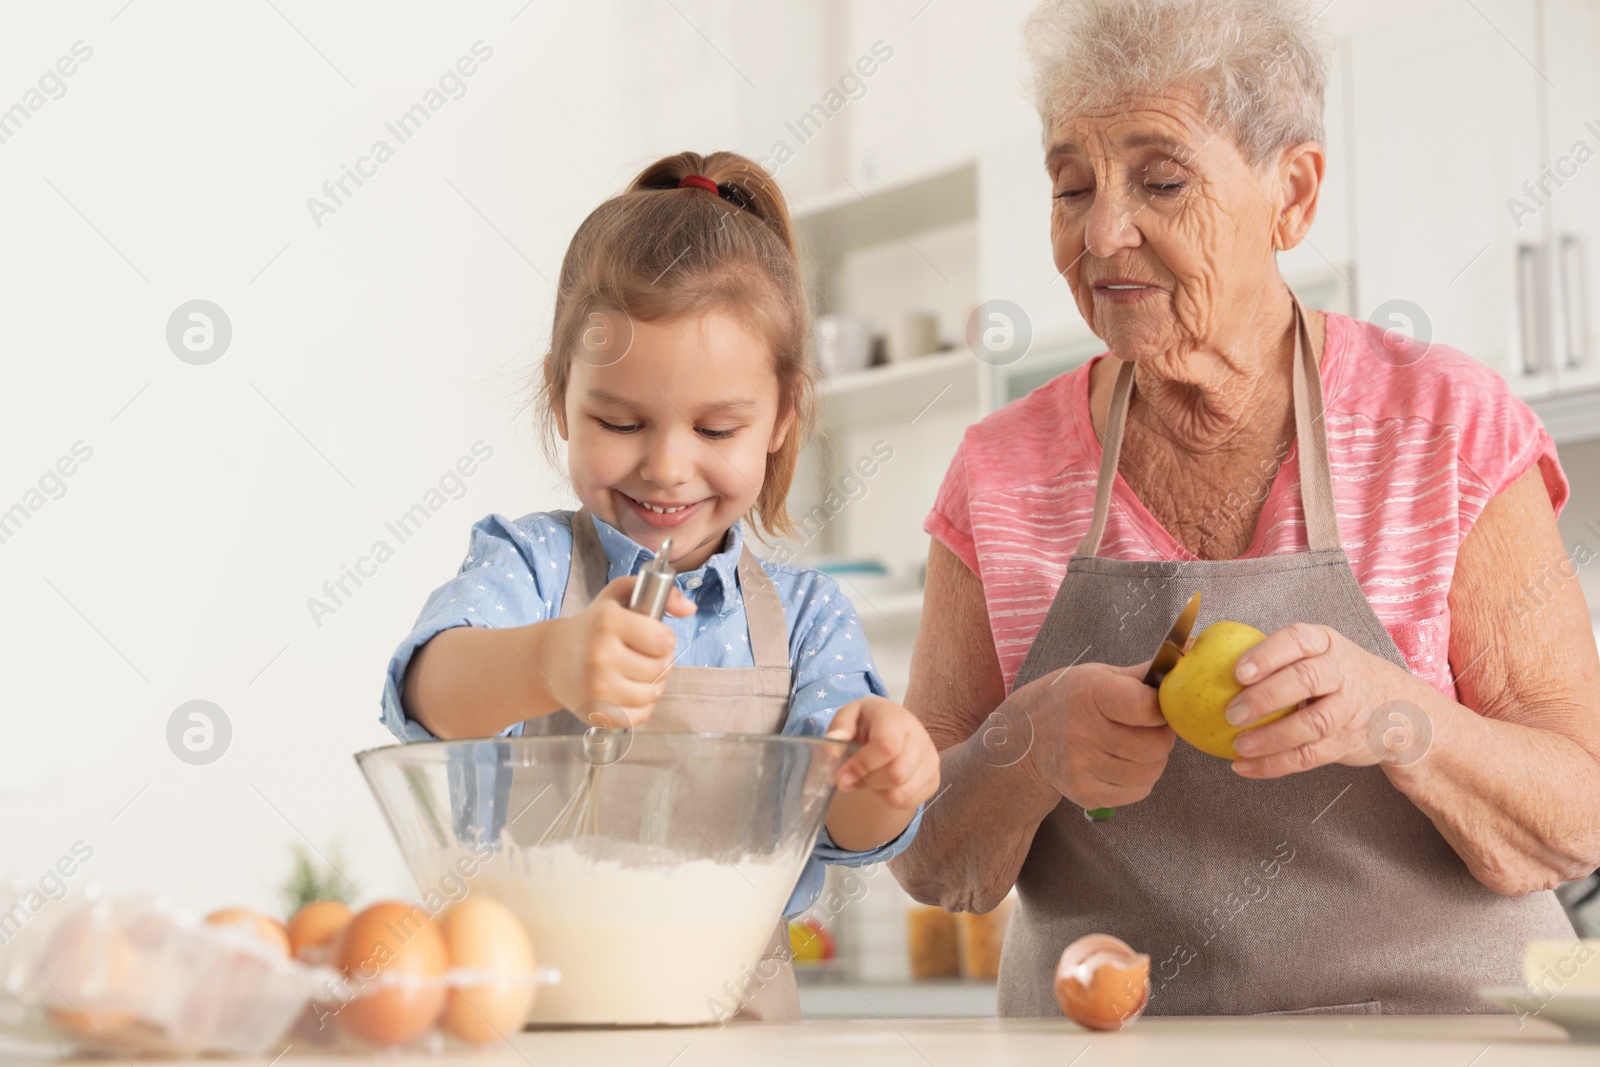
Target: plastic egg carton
{"points": [[139, 976]]}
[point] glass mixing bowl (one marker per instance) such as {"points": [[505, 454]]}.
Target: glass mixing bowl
{"points": [[666, 912]]}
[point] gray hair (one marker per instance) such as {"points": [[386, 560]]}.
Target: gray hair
{"points": [[1259, 66]]}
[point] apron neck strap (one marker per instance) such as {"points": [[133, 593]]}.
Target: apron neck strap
{"points": [[1311, 435], [1311, 439], [763, 614], [589, 566], [763, 610]]}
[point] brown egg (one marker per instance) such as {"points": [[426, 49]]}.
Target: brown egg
{"points": [[101, 1025], [89, 963], [316, 926], [1101, 983], [105, 1031], [386, 941], [89, 960], [266, 930], [485, 936]]}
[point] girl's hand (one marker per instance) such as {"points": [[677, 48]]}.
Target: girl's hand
{"points": [[1344, 686], [896, 761], [608, 664]]}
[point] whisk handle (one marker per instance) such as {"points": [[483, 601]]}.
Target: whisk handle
{"points": [[654, 584]]}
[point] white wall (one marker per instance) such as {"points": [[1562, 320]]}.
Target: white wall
{"points": [[368, 354]]}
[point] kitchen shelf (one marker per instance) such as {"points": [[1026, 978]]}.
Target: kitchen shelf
{"points": [[897, 392], [877, 250], [854, 217]]}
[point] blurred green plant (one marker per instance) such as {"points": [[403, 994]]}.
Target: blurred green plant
{"points": [[315, 877]]}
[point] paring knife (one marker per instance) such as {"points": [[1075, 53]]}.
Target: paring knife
{"points": [[1171, 649], [1166, 658]]}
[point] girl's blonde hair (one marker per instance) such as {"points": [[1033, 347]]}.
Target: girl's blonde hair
{"points": [[658, 252]]}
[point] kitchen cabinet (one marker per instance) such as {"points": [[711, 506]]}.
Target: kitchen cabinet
{"points": [[1455, 112], [877, 250], [1571, 235], [880, 251]]}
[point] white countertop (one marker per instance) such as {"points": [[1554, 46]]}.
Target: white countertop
{"points": [[936, 998], [1311, 1041]]}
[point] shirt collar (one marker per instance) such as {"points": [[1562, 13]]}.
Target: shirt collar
{"points": [[624, 556]]}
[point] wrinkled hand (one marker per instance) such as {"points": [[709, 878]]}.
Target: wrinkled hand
{"points": [[1095, 733], [897, 759], [1343, 685], [608, 661]]}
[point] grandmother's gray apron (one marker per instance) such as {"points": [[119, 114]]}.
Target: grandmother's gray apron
{"points": [[751, 700], [1324, 891]]}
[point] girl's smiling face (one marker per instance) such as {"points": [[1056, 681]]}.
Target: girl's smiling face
{"points": [[671, 439]]}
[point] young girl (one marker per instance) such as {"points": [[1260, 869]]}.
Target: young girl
{"points": [[679, 378]]}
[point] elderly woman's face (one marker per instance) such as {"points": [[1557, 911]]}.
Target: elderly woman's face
{"points": [[1148, 195]]}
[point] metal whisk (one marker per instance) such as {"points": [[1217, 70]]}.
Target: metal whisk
{"points": [[603, 746]]}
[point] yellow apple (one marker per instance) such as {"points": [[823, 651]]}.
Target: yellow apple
{"points": [[1195, 692]]}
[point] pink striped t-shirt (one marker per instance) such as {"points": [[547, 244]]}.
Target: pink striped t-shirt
{"points": [[1416, 452]]}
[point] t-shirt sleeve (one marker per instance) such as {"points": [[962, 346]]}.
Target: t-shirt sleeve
{"points": [[510, 577], [1503, 441], [1555, 479], [950, 521]]}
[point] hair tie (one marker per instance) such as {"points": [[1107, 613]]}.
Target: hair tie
{"points": [[699, 181]]}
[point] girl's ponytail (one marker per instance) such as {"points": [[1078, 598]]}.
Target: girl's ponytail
{"points": [[740, 182]]}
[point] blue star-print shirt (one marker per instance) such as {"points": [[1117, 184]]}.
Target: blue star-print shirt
{"points": [[516, 572]]}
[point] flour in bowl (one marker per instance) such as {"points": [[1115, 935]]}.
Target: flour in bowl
{"points": [[638, 939]]}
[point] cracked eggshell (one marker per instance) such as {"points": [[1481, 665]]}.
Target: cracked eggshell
{"points": [[1102, 983]]}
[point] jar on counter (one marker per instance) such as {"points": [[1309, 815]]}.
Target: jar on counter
{"points": [[931, 942], [979, 939]]}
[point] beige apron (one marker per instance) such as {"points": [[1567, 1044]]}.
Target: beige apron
{"points": [[752, 700], [1325, 891]]}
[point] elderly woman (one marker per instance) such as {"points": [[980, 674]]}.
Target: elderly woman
{"points": [[1381, 512]]}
